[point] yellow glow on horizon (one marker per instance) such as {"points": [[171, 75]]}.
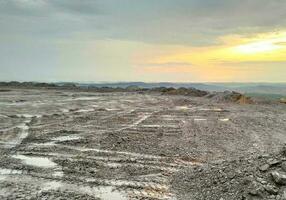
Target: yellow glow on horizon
{"points": [[257, 47], [264, 47], [222, 62]]}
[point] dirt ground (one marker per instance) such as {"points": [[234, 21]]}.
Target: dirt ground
{"points": [[57, 144]]}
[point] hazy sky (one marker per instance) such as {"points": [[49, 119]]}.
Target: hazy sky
{"points": [[143, 40]]}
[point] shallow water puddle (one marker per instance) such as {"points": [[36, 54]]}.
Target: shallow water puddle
{"points": [[36, 161]]}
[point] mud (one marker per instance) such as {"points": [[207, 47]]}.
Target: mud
{"points": [[86, 145]]}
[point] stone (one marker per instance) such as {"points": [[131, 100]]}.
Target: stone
{"points": [[279, 177], [271, 189], [272, 162], [283, 195], [264, 168], [283, 166]]}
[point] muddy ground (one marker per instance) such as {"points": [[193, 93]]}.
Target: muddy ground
{"points": [[57, 144]]}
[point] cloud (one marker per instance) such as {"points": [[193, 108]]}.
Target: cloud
{"points": [[184, 22]]}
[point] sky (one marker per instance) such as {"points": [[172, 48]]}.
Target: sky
{"points": [[143, 40]]}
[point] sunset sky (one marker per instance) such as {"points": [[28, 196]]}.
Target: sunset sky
{"points": [[143, 40]]}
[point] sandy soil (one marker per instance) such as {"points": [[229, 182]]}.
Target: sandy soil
{"points": [[118, 146]]}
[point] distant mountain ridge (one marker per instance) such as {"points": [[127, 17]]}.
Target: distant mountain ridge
{"points": [[246, 88], [262, 88]]}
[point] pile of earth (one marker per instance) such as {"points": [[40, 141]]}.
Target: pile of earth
{"points": [[230, 97], [256, 177], [283, 100], [182, 91]]}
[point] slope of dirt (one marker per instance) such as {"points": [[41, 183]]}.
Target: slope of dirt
{"points": [[116, 146]]}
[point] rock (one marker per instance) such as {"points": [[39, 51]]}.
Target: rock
{"points": [[264, 168], [279, 177], [271, 189], [273, 162], [283, 166], [283, 195], [255, 189]]}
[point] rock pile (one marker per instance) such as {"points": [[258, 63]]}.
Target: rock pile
{"points": [[184, 91], [230, 97], [260, 177]]}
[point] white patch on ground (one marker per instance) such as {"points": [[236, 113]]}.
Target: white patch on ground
{"points": [[112, 109], [224, 120], [102, 192], [84, 110], [200, 119], [66, 138], [65, 110], [147, 156], [143, 118], [9, 171], [58, 174], [84, 98], [211, 109], [4, 173], [182, 108], [36, 161], [28, 116], [3, 116], [136, 123], [23, 133], [152, 126], [53, 185]]}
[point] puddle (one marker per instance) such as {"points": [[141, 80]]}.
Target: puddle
{"points": [[36, 161], [65, 138]]}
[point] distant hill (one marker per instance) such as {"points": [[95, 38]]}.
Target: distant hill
{"points": [[261, 88], [274, 89]]}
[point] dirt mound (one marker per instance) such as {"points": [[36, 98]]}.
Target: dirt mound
{"points": [[184, 91], [283, 100], [260, 177], [230, 96]]}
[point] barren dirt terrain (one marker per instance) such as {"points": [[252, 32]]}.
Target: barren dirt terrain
{"points": [[57, 144]]}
